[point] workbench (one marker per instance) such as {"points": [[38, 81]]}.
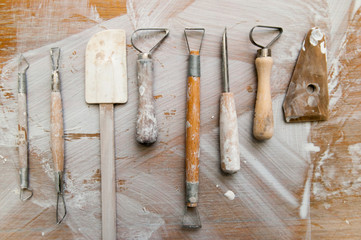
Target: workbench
{"points": [[304, 183]]}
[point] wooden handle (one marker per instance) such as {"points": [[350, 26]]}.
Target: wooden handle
{"points": [[263, 116], [146, 129], [57, 131], [228, 134], [192, 132], [23, 131], [107, 165]]}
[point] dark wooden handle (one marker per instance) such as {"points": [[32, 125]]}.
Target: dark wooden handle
{"points": [[57, 131], [146, 127], [263, 115], [228, 134]]}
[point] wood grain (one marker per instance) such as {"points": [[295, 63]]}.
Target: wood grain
{"points": [[146, 125], [150, 181], [263, 114], [228, 134], [107, 165], [57, 131], [23, 131]]}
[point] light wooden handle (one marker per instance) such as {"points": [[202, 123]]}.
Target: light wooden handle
{"points": [[263, 116], [107, 165], [228, 134], [57, 131], [23, 131], [146, 128]]}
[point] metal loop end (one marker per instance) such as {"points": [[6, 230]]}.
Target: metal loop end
{"points": [[279, 29], [60, 195], [23, 64], [202, 30], [166, 33], [25, 194], [55, 56]]}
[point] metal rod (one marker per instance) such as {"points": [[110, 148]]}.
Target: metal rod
{"points": [[225, 72]]}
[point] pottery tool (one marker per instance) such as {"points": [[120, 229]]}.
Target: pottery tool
{"points": [[106, 85], [228, 127], [263, 115], [25, 191], [191, 217], [146, 129], [57, 132], [307, 95]]}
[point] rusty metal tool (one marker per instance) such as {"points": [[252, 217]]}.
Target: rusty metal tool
{"points": [[228, 127], [191, 219], [146, 125], [25, 191], [57, 132], [106, 85], [263, 115]]}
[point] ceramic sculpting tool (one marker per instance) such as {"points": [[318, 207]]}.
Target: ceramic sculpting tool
{"points": [[106, 85], [307, 95], [25, 191], [191, 217], [146, 125], [228, 127], [57, 132], [263, 115]]}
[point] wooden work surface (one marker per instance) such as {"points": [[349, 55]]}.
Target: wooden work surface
{"points": [[304, 183]]}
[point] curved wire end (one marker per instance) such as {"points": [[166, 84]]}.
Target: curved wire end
{"points": [[166, 33], [23, 64], [194, 29], [24, 196], [269, 44], [57, 208], [55, 56]]}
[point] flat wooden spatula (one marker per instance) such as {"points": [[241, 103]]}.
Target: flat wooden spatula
{"points": [[106, 84]]}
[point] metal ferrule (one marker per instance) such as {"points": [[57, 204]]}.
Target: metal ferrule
{"points": [[192, 193], [21, 83], [264, 52], [24, 177], [59, 181], [194, 69], [55, 83], [144, 56]]}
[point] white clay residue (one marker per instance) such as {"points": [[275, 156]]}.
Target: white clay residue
{"points": [[323, 48], [316, 35], [230, 195], [141, 90], [310, 147]]}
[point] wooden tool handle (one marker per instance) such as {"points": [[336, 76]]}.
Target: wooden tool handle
{"points": [[23, 131], [263, 116], [228, 133], [192, 132], [57, 131], [146, 129], [107, 164]]}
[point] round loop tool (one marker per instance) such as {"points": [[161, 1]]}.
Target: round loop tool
{"points": [[263, 115]]}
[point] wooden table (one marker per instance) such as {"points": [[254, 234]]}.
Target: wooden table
{"points": [[303, 183]]}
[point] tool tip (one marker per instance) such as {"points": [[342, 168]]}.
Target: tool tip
{"points": [[25, 194], [23, 64], [191, 219], [58, 221]]}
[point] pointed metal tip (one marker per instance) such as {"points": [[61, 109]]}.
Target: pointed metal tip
{"points": [[23, 196], [58, 221], [55, 55], [191, 219]]}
